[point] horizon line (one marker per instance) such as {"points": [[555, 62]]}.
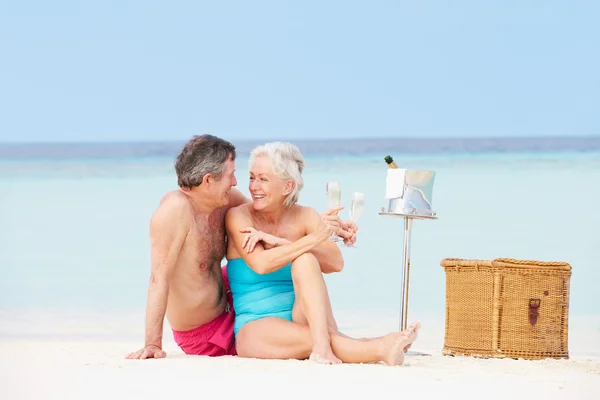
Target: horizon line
{"points": [[345, 139]]}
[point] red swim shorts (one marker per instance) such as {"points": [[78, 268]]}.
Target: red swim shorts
{"points": [[215, 338]]}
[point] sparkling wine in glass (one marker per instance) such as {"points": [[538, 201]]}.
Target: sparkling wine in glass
{"points": [[334, 198], [356, 208]]}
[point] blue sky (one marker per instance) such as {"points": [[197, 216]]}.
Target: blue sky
{"points": [[153, 70]]}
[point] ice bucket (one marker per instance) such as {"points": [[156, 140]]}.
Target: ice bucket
{"points": [[410, 192]]}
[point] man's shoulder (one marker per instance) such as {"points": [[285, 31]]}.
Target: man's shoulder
{"points": [[173, 204], [172, 218], [175, 199], [237, 198]]}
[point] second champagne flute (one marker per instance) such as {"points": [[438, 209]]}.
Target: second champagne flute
{"points": [[356, 208]]}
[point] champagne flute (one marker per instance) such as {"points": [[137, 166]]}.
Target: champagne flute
{"points": [[334, 198], [356, 209]]}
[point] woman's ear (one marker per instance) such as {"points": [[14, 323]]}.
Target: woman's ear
{"points": [[289, 186]]}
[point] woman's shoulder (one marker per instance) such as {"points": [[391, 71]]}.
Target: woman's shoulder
{"points": [[304, 211], [243, 210]]}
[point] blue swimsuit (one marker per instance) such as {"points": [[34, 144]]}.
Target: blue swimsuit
{"points": [[258, 296]]}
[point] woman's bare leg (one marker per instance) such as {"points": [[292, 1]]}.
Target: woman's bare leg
{"points": [[311, 306], [312, 296], [299, 317], [276, 338]]}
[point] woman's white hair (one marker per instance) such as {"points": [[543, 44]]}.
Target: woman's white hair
{"points": [[288, 163]]}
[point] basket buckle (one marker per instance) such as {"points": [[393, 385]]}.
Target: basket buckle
{"points": [[534, 305]]}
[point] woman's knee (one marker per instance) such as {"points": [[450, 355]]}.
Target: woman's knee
{"points": [[305, 260], [242, 345], [305, 266], [274, 338], [249, 343]]}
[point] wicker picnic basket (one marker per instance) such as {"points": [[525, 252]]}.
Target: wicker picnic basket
{"points": [[506, 308]]}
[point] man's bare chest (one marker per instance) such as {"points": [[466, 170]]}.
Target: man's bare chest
{"points": [[208, 240]]}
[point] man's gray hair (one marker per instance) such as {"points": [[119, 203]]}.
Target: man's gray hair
{"points": [[205, 154], [288, 163]]}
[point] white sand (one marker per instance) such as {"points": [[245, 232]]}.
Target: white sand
{"points": [[37, 362], [89, 370]]}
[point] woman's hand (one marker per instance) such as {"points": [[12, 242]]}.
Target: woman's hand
{"points": [[329, 223], [253, 237], [348, 232]]}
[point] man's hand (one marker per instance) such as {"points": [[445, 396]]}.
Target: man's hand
{"points": [[253, 237], [150, 351]]}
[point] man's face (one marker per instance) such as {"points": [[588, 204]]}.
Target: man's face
{"points": [[222, 187]]}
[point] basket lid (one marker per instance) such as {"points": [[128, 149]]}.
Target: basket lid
{"points": [[505, 263], [454, 262]]}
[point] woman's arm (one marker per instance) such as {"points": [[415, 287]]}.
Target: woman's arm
{"points": [[265, 261], [268, 241], [327, 253]]}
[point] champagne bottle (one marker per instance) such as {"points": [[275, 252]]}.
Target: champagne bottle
{"points": [[390, 162]]}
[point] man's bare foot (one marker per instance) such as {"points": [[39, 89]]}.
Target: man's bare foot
{"points": [[396, 344], [323, 354]]}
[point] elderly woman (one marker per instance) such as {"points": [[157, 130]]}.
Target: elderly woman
{"points": [[276, 279]]}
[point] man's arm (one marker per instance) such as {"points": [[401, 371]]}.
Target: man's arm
{"points": [[265, 261], [169, 227], [327, 253], [236, 198]]}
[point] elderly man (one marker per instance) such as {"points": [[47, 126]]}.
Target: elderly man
{"points": [[188, 242]]}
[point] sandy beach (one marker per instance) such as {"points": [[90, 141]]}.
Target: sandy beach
{"points": [[95, 370], [39, 368]]}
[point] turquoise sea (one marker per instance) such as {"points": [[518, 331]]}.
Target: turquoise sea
{"points": [[74, 248]]}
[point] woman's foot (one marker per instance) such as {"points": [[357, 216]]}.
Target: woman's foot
{"points": [[396, 344], [323, 354]]}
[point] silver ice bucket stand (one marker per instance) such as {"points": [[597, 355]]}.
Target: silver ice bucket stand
{"points": [[409, 195]]}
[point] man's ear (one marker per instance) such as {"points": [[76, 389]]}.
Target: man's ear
{"points": [[207, 178]]}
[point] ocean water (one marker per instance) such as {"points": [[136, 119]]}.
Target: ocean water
{"points": [[74, 246]]}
